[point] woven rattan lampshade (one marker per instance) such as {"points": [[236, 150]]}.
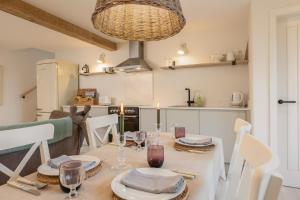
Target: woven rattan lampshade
{"points": [[139, 20]]}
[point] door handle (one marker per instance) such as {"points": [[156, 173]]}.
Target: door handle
{"points": [[280, 101]]}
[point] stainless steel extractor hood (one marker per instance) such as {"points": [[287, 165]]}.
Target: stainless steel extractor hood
{"points": [[135, 62]]}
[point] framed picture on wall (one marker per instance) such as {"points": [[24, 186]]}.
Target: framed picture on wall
{"points": [[1, 84]]}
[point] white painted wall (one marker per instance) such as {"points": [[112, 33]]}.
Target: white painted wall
{"points": [[215, 83], [259, 62], [19, 76]]}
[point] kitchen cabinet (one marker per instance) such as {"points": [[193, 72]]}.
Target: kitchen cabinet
{"points": [[94, 112], [148, 119], [220, 123], [215, 122], [185, 118]]}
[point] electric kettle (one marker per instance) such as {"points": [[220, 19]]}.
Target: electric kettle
{"points": [[238, 99]]}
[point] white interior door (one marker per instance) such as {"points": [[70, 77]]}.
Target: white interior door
{"points": [[288, 103], [47, 94]]}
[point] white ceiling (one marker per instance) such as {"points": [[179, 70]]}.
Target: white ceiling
{"points": [[17, 33]]}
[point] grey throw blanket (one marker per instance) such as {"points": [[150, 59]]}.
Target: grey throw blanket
{"points": [[152, 183]]}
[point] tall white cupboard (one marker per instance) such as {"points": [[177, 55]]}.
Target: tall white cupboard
{"points": [[57, 84]]}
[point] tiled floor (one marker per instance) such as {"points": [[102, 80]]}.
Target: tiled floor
{"points": [[288, 193]]}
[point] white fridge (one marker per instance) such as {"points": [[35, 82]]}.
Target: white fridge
{"points": [[57, 84]]}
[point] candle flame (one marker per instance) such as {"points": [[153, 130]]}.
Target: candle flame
{"points": [[122, 108], [157, 106]]}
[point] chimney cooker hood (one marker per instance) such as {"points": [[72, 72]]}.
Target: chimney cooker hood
{"points": [[136, 61]]}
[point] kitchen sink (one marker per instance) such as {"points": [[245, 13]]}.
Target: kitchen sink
{"points": [[183, 106]]}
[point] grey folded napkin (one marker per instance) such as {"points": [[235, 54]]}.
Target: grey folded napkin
{"points": [[202, 140], [56, 162], [88, 164], [130, 135], [152, 183]]}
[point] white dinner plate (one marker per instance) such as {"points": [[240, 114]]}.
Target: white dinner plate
{"points": [[128, 193], [193, 137], [48, 171]]}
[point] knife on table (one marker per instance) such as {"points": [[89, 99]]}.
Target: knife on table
{"points": [[24, 188], [38, 185], [187, 175]]}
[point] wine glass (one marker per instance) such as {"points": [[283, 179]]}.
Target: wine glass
{"points": [[71, 175], [139, 138]]}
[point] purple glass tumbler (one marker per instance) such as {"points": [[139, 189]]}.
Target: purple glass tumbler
{"points": [[155, 155], [179, 132]]}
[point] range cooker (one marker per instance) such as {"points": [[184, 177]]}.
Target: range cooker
{"points": [[131, 116]]}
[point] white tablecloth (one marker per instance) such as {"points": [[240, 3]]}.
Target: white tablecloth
{"points": [[209, 168]]}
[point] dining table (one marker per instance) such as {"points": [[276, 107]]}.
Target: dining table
{"points": [[208, 167]]}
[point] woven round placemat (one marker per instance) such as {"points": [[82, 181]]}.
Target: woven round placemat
{"points": [[130, 143], [54, 180], [183, 196], [187, 148]]}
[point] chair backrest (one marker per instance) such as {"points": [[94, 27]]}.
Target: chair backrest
{"points": [[260, 163], [241, 128], [36, 135], [92, 124]]}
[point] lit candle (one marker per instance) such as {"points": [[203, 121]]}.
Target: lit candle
{"points": [[122, 109], [158, 116], [122, 119]]}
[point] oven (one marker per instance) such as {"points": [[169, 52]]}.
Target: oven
{"points": [[131, 117]]}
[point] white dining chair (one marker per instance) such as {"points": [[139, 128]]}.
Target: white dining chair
{"points": [[274, 186], [93, 124], [241, 127], [255, 180], [36, 135]]}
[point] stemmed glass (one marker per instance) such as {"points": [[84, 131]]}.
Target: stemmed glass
{"points": [[71, 175], [139, 138]]}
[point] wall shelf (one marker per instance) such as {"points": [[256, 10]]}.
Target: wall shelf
{"points": [[95, 73], [213, 64]]}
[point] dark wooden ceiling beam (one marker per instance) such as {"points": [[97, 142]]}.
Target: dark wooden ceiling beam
{"points": [[36, 15]]}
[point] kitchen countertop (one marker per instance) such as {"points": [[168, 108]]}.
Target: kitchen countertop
{"points": [[198, 108], [182, 107], [93, 106]]}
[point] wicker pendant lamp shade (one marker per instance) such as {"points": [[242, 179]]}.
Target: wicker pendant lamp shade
{"points": [[139, 20]]}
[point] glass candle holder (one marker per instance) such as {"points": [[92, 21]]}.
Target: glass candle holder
{"points": [[121, 158], [155, 155], [179, 132]]}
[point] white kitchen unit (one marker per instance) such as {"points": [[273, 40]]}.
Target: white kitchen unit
{"points": [[216, 122], [185, 118], [57, 84], [148, 119], [219, 123], [95, 111]]}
